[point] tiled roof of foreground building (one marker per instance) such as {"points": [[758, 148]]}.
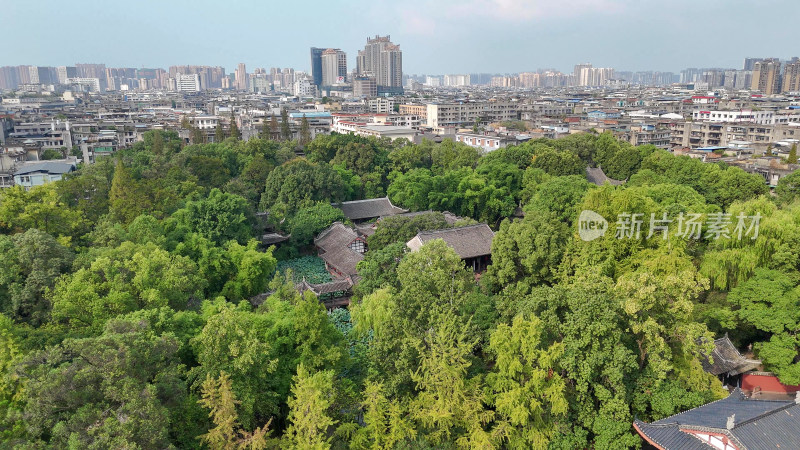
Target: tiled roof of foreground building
{"points": [[736, 421]]}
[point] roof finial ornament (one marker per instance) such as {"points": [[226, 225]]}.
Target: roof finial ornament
{"points": [[797, 398], [731, 422]]}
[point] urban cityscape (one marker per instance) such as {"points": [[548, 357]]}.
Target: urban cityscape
{"points": [[345, 253]]}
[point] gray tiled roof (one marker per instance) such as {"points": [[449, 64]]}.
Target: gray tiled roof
{"points": [[597, 176], [758, 424], [468, 242], [333, 244], [727, 359], [51, 167], [369, 208]]}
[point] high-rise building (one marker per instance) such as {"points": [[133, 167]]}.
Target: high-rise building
{"points": [[316, 65], [791, 76], [766, 75], [383, 60], [241, 77], [576, 72], [334, 67], [258, 82], [595, 76], [93, 71], [364, 86], [529, 80], [9, 77], [304, 87], [750, 63], [287, 79], [187, 83], [64, 72], [456, 80], [210, 77]]}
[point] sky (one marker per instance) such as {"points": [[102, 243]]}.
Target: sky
{"points": [[436, 36]]}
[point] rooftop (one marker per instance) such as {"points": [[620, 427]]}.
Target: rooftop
{"points": [[50, 167], [468, 242], [369, 208], [748, 423]]}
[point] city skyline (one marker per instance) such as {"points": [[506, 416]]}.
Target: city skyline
{"points": [[436, 38]]}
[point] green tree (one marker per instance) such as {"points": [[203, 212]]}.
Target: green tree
{"points": [[226, 435], [274, 129], [310, 220], [386, 422], [528, 251], [528, 393], [559, 163], [51, 153], [450, 406], [127, 198], [792, 159], [30, 264], [233, 341], [560, 196], [220, 217], [198, 137], [219, 133], [768, 301], [114, 390], [398, 320], [788, 187], [40, 207], [235, 133], [300, 183], [158, 142], [309, 419], [286, 131], [87, 189], [305, 132], [402, 228], [122, 280]]}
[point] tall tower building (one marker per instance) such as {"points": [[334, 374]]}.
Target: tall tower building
{"points": [[382, 60], [241, 77], [316, 65], [577, 72], [791, 76], [750, 63], [766, 76], [93, 71], [334, 66]]}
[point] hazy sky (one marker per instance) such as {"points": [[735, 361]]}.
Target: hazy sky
{"points": [[437, 36]]}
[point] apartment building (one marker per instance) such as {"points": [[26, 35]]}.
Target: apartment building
{"points": [[766, 76], [715, 134], [187, 83], [791, 76], [380, 105], [467, 113], [415, 110]]}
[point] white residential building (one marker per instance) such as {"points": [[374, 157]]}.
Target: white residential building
{"points": [[187, 83], [467, 113], [92, 84], [304, 87], [380, 105]]}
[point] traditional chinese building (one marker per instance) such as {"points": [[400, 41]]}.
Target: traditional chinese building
{"points": [[472, 243], [733, 423]]}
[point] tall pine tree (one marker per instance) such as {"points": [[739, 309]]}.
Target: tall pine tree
{"points": [[235, 133], [286, 131], [305, 132]]}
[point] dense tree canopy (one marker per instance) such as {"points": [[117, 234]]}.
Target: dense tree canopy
{"points": [[139, 310]]}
